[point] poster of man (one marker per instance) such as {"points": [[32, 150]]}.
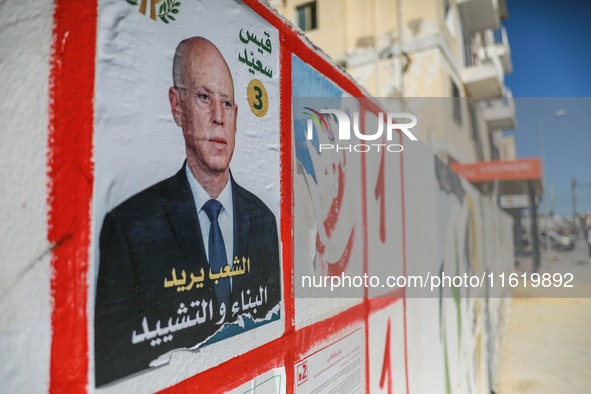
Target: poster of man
{"points": [[193, 258]]}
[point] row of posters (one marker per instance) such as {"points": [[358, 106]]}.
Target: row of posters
{"points": [[186, 243]]}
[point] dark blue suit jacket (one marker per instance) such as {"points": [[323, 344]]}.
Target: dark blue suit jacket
{"points": [[141, 241]]}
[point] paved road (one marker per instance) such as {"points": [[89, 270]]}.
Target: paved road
{"points": [[548, 343]]}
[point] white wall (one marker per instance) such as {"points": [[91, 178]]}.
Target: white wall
{"points": [[25, 328]]}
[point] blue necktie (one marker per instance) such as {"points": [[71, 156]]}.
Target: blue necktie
{"points": [[217, 251]]}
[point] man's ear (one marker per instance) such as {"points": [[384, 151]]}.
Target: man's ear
{"points": [[174, 96], [235, 117]]}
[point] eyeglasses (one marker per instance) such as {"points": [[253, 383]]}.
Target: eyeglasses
{"points": [[204, 97]]}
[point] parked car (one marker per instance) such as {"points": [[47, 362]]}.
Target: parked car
{"points": [[557, 241]]}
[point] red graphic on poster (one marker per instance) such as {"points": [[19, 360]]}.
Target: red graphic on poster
{"points": [[330, 223], [302, 372], [386, 365], [380, 194]]}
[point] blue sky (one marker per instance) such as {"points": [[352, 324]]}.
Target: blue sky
{"points": [[551, 53]]}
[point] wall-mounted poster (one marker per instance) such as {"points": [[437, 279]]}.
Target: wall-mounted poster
{"points": [[336, 368], [270, 382], [186, 199]]}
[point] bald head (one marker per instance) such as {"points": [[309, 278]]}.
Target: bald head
{"points": [[202, 104], [192, 54]]}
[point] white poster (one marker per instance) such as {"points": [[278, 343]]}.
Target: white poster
{"points": [[271, 382], [337, 368], [185, 239]]}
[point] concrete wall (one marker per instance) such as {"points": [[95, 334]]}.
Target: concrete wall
{"points": [[448, 343], [25, 252]]}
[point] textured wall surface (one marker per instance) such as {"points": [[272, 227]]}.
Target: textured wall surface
{"points": [[25, 329]]}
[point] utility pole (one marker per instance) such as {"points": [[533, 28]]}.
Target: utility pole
{"points": [[573, 184], [551, 202], [556, 115], [533, 222]]}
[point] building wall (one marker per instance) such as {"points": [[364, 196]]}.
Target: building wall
{"points": [[48, 175], [25, 252], [508, 147]]}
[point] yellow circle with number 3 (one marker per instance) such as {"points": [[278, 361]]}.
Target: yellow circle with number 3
{"points": [[257, 98]]}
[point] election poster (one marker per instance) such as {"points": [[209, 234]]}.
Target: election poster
{"points": [[185, 235], [328, 225], [336, 368], [270, 382]]}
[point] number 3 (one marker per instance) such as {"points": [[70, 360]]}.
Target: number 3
{"points": [[259, 104]]}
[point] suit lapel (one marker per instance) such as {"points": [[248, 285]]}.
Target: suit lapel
{"points": [[243, 212], [184, 222]]}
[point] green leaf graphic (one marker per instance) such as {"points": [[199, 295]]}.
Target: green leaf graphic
{"points": [[167, 8]]}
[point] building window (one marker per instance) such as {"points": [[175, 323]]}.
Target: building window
{"points": [[494, 150], [457, 102], [475, 133], [307, 16], [473, 123]]}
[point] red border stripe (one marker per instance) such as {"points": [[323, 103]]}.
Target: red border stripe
{"points": [[286, 187], [292, 347], [234, 372], [70, 174], [287, 206]]}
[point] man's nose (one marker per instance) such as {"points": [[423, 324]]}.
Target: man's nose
{"points": [[218, 114]]}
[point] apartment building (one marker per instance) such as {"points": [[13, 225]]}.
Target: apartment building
{"points": [[454, 52]]}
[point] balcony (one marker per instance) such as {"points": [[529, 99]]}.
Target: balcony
{"points": [[483, 72], [482, 81], [499, 113], [499, 44], [479, 15]]}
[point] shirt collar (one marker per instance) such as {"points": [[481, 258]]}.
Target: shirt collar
{"points": [[201, 197]]}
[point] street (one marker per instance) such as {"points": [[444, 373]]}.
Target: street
{"points": [[547, 347]]}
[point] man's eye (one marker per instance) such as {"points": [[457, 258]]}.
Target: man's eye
{"points": [[227, 104], [204, 97]]}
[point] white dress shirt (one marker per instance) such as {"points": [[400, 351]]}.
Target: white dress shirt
{"points": [[225, 219]]}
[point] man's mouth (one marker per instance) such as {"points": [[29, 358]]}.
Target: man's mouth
{"points": [[218, 141]]}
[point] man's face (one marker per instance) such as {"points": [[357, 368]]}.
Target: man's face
{"points": [[204, 108]]}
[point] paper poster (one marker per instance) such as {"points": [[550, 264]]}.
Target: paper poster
{"points": [[384, 212], [328, 226], [337, 368], [271, 382], [387, 366], [186, 193]]}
